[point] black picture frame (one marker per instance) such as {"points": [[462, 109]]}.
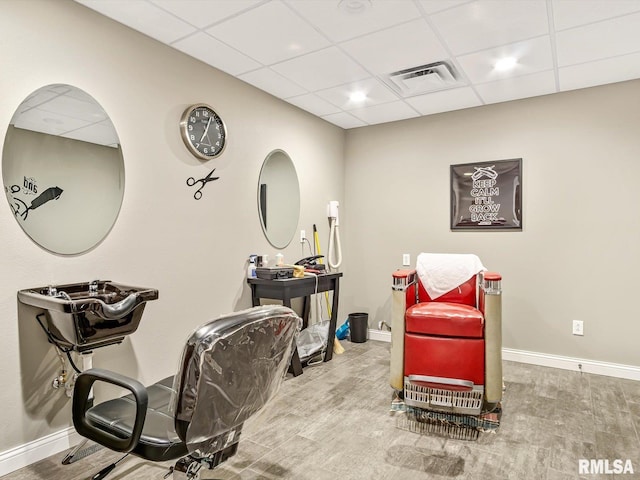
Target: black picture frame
{"points": [[487, 195]]}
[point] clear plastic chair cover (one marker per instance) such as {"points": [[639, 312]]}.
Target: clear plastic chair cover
{"points": [[230, 368]]}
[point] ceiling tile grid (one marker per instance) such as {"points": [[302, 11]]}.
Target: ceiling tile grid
{"points": [[316, 54], [314, 104]]}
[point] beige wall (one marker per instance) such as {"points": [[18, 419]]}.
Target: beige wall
{"points": [[577, 256], [194, 252]]}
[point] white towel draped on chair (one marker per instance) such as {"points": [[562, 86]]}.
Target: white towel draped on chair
{"points": [[442, 272]]}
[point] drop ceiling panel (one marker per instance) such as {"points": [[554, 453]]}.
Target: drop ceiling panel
{"points": [[374, 90], [324, 69], [609, 38], [273, 83], [42, 96], [48, 122], [433, 6], [313, 53], [541, 83], [313, 104], [344, 120], [83, 119], [212, 51], [99, 133], [403, 46], [201, 13], [532, 56], [144, 17], [444, 101], [571, 13], [339, 24], [82, 108], [269, 33], [601, 72], [488, 23], [382, 113]]}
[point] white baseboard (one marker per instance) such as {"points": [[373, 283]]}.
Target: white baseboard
{"points": [[548, 360], [24, 455], [569, 363], [380, 335]]}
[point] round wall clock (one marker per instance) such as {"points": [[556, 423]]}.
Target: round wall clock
{"points": [[203, 131]]}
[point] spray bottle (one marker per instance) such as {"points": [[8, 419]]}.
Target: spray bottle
{"points": [[251, 270]]}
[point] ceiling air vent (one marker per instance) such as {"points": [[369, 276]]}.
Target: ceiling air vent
{"points": [[424, 79]]}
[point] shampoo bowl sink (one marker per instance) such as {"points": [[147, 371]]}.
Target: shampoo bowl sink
{"points": [[84, 316]]}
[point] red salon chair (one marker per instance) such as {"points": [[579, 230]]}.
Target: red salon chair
{"points": [[230, 368], [446, 346]]}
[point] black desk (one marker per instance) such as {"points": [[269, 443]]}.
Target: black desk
{"points": [[288, 288]]}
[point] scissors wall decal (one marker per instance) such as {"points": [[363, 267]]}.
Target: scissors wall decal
{"points": [[203, 181]]}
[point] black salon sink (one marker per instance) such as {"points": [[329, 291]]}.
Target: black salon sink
{"points": [[85, 316]]}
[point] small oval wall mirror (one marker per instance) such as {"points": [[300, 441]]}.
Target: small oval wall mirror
{"points": [[63, 170], [278, 198]]}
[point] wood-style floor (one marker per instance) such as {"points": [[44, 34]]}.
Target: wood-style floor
{"points": [[334, 423]]}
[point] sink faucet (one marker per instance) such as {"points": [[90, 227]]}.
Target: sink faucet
{"points": [[52, 291], [93, 287]]}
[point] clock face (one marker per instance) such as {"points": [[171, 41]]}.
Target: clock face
{"points": [[203, 131]]}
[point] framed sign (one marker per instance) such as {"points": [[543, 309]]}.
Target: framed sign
{"points": [[487, 195]]}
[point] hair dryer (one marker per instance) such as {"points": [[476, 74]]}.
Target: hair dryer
{"points": [[334, 236]]}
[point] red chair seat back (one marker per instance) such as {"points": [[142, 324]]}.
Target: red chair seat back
{"points": [[465, 293]]}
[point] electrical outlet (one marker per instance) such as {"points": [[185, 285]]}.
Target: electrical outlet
{"points": [[406, 259], [578, 327], [303, 236]]}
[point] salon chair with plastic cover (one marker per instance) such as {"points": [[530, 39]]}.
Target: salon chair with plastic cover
{"points": [[446, 347], [230, 368]]}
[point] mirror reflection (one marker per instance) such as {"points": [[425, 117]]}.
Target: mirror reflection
{"points": [[62, 169], [278, 198]]}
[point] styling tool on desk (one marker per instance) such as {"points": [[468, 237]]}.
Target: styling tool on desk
{"points": [[312, 264]]}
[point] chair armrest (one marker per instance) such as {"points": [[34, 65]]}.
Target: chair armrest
{"points": [[81, 404], [491, 282], [403, 279], [406, 281], [491, 307]]}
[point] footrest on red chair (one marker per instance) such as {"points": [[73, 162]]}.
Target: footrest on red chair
{"points": [[443, 394]]}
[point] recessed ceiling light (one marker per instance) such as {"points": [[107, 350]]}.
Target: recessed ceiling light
{"points": [[358, 96], [506, 63], [355, 6]]}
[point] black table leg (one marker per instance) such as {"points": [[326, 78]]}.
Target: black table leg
{"points": [[255, 300], [328, 355], [306, 308]]}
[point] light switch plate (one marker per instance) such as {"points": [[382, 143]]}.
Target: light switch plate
{"points": [[406, 259]]}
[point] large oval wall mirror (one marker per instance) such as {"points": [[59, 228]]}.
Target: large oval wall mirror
{"points": [[63, 170], [278, 198]]}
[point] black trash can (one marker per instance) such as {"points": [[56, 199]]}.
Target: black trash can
{"points": [[358, 326]]}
